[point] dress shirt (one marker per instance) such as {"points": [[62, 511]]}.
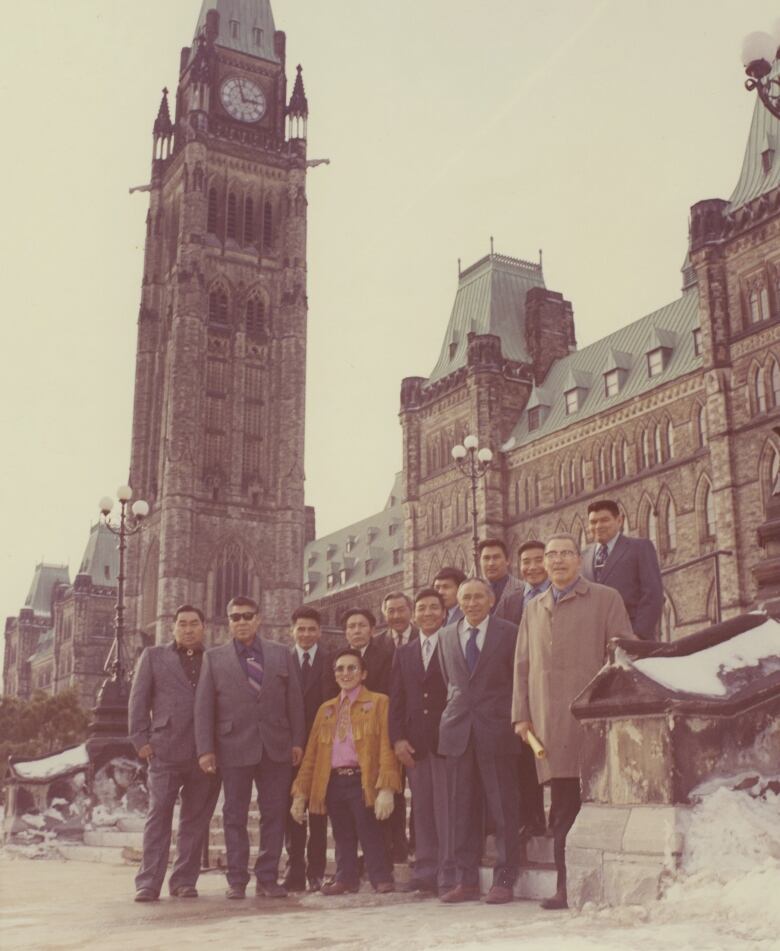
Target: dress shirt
{"points": [[558, 593], [344, 752], [255, 649], [311, 651], [433, 640], [464, 632], [191, 661], [531, 591], [403, 638]]}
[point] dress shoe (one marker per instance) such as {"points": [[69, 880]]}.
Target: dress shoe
{"points": [[556, 903], [315, 883], [236, 891], [294, 884], [461, 893], [384, 888], [339, 888], [499, 895], [146, 894], [184, 891], [270, 889], [426, 885]]}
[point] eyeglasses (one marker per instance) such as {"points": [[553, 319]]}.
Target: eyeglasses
{"points": [[346, 669], [243, 616], [567, 553]]}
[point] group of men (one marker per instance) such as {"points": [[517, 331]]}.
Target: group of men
{"points": [[472, 668]]}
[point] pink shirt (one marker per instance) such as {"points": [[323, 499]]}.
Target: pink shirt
{"points": [[344, 752]]}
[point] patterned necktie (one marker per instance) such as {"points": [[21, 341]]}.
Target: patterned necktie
{"points": [[599, 561], [530, 595], [426, 652], [343, 723], [254, 671], [305, 669], [472, 651]]}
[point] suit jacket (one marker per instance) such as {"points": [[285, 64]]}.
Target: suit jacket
{"points": [[239, 723], [478, 703], [632, 569], [417, 699], [510, 605], [161, 705], [320, 686], [560, 648], [378, 657], [387, 638], [456, 616], [379, 768]]}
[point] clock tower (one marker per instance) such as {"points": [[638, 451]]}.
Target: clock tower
{"points": [[218, 416]]}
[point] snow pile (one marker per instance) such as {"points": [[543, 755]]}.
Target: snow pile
{"points": [[703, 671], [56, 765]]}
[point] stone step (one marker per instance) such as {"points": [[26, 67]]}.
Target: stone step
{"points": [[538, 850], [533, 883], [113, 838], [104, 855]]}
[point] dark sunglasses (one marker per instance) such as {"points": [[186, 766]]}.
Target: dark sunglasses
{"points": [[244, 616]]}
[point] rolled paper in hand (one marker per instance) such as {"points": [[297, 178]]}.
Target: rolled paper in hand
{"points": [[533, 741]]}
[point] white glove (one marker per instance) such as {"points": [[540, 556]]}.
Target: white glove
{"points": [[298, 809], [383, 806]]}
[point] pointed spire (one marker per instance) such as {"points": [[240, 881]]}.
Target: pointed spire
{"points": [[299, 105], [162, 124]]}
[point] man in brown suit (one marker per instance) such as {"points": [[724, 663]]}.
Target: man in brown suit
{"points": [[560, 647]]}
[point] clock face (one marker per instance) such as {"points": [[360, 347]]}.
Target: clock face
{"points": [[243, 99]]}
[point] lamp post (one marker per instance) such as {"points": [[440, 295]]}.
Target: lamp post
{"points": [[139, 511], [473, 462], [759, 57]]}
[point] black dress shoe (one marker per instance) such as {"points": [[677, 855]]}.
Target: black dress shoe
{"points": [[146, 894], [236, 891], [556, 903], [294, 884], [270, 890], [315, 883]]}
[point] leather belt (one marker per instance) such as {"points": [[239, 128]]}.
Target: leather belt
{"points": [[346, 770]]}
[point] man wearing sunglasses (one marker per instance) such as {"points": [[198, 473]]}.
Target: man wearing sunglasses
{"points": [[249, 722], [560, 647]]}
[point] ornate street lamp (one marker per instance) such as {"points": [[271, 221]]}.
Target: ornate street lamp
{"points": [[759, 57], [473, 462], [139, 511]]}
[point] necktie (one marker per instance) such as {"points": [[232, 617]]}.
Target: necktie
{"points": [[426, 652], [599, 561], [472, 651], [305, 669], [530, 595], [343, 722], [254, 671]]}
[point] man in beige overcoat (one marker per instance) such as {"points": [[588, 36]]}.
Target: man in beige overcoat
{"points": [[560, 647]]}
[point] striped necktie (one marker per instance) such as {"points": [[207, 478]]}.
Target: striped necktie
{"points": [[254, 671]]}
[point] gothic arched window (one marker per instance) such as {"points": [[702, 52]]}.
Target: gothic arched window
{"points": [[249, 221], [232, 217], [211, 221], [255, 318], [268, 227], [218, 306], [774, 383], [232, 577], [759, 390]]}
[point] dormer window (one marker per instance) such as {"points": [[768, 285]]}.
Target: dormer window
{"points": [[343, 575], [697, 341], [656, 361], [612, 382], [534, 418], [572, 398], [330, 552], [234, 25], [257, 36], [391, 528], [396, 556], [767, 158], [350, 544], [369, 565], [307, 588], [331, 582], [453, 348]]}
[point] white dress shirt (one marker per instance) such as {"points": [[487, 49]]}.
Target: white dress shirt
{"points": [[311, 651], [433, 640], [403, 638]]}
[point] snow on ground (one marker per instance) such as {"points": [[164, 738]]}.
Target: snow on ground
{"points": [[725, 898], [701, 672], [53, 765]]}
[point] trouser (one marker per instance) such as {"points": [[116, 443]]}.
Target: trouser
{"points": [[565, 803], [352, 821], [199, 792], [272, 780], [475, 774], [394, 829], [306, 854], [428, 782], [531, 792]]}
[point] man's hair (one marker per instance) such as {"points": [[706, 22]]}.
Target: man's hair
{"points": [[564, 537], [350, 652], [600, 504], [485, 584], [368, 615], [450, 574], [492, 543], [242, 600], [310, 614], [430, 593], [183, 608], [396, 594], [531, 543]]}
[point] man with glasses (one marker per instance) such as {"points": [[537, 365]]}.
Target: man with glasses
{"points": [[560, 647], [249, 722], [161, 728]]}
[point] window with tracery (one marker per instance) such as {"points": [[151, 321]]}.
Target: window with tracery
{"points": [[232, 577]]}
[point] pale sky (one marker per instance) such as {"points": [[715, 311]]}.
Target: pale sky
{"points": [[581, 127]]}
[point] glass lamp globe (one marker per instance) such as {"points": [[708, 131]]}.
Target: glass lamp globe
{"points": [[140, 508], [458, 452], [106, 504], [485, 455], [471, 442], [758, 51], [124, 493]]}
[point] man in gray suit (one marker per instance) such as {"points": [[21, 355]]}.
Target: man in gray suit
{"points": [[475, 734], [508, 590], [160, 724], [629, 565], [447, 581], [249, 722]]}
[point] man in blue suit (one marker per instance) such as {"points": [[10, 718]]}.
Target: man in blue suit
{"points": [[629, 565]]}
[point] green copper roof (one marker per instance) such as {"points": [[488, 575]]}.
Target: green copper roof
{"points": [[246, 26], [101, 557], [44, 580], [490, 300], [761, 165]]}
